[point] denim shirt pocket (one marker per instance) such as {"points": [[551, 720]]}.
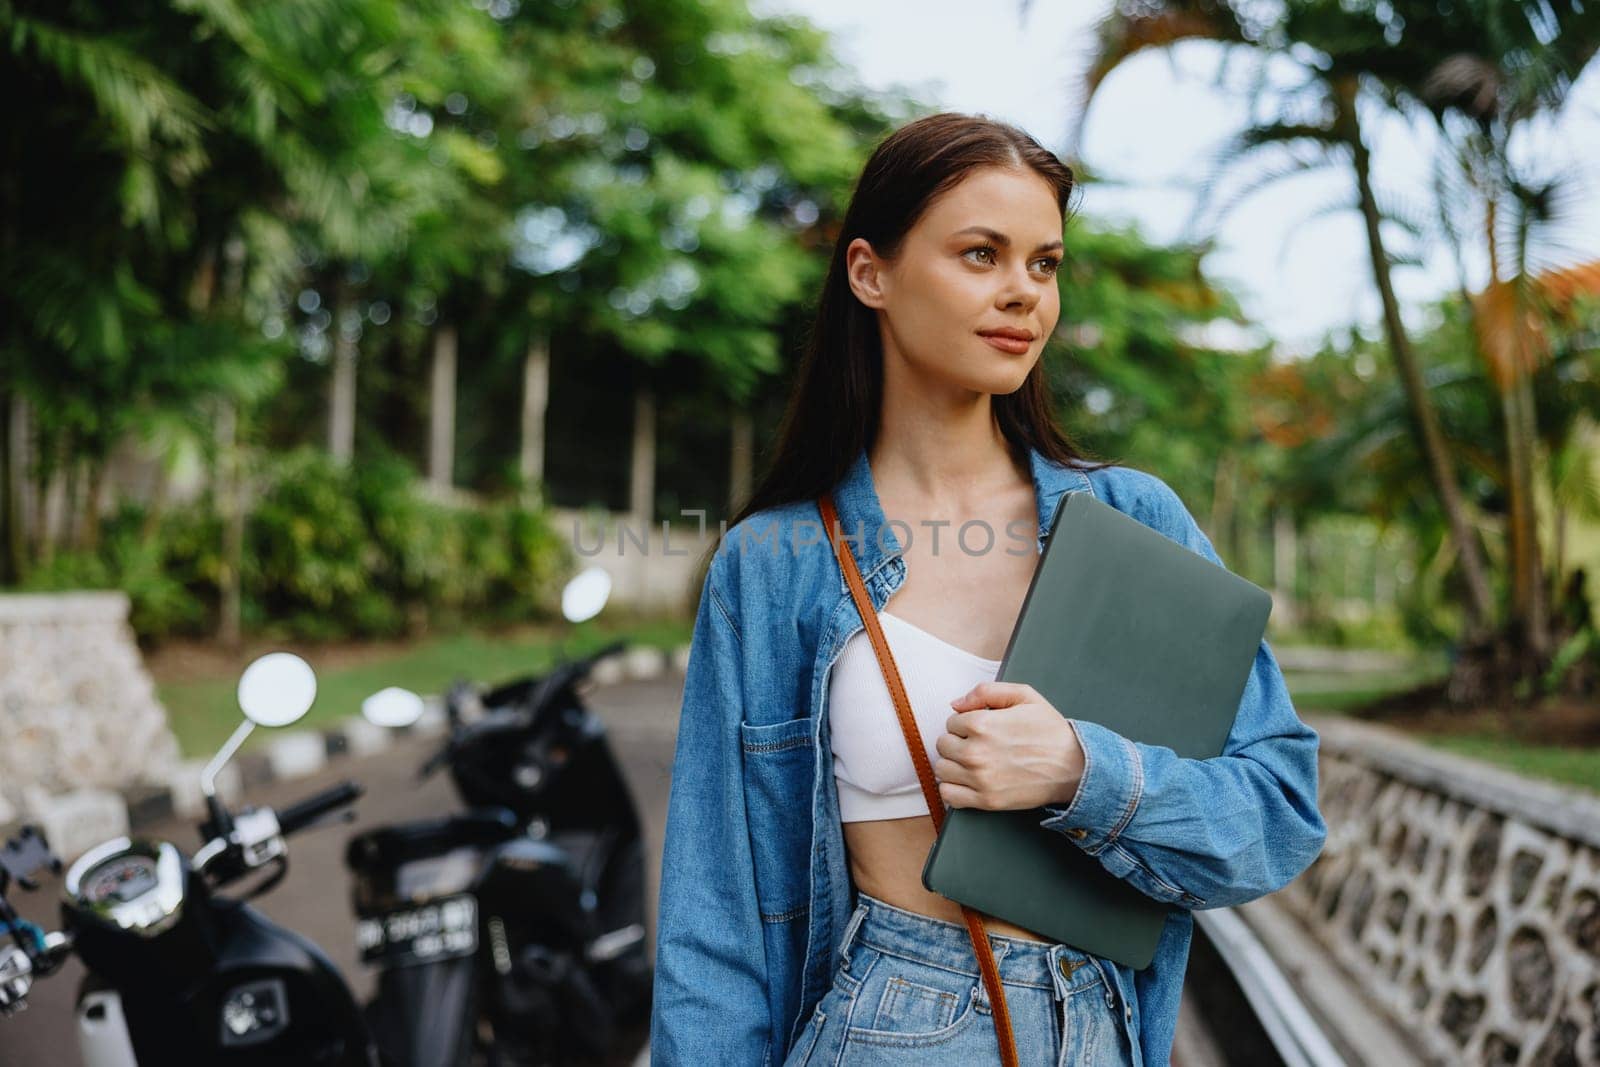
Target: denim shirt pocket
{"points": [[778, 762]]}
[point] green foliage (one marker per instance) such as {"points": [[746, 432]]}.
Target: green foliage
{"points": [[167, 567], [335, 551], [330, 553]]}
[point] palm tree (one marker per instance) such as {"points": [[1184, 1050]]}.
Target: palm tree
{"points": [[1482, 74], [1333, 79]]}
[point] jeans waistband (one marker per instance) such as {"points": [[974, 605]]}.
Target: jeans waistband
{"points": [[944, 944]]}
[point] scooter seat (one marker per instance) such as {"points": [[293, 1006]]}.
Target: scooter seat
{"points": [[390, 846]]}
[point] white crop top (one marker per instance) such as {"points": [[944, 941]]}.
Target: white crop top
{"points": [[875, 776]]}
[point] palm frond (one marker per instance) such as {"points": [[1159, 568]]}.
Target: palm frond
{"points": [[1299, 154], [138, 100]]}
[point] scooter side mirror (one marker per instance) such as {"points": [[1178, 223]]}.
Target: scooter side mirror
{"points": [[393, 707], [277, 689], [586, 593]]}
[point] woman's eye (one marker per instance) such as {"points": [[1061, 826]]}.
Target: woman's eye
{"points": [[1051, 264]]}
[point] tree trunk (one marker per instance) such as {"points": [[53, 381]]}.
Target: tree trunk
{"points": [[1285, 549], [71, 496], [1530, 622], [51, 496], [1558, 568], [1430, 436], [13, 479], [230, 583], [642, 477], [1522, 530], [741, 460], [535, 401], [442, 409], [93, 500], [1222, 497], [342, 394]]}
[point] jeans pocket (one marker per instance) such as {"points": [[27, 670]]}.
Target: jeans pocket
{"points": [[910, 1007], [918, 1007]]}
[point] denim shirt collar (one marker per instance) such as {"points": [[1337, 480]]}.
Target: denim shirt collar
{"points": [[862, 521]]}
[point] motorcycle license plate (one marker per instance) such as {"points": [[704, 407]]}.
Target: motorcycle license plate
{"points": [[439, 930]]}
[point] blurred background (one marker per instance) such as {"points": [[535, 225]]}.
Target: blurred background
{"points": [[355, 327]]}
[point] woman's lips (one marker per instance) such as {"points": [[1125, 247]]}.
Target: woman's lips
{"points": [[1014, 345]]}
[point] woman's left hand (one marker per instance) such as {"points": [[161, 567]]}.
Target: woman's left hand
{"points": [[1007, 748]]}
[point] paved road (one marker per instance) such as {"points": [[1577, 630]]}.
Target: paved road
{"points": [[314, 899]]}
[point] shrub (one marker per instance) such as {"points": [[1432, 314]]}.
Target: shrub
{"points": [[329, 552]]}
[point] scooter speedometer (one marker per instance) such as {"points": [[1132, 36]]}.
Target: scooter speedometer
{"points": [[137, 886]]}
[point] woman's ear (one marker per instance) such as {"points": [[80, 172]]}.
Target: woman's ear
{"points": [[865, 272]]}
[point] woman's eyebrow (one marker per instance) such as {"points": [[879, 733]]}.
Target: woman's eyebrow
{"points": [[1002, 240]]}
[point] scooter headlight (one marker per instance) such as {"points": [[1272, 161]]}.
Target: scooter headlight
{"points": [[254, 1012]]}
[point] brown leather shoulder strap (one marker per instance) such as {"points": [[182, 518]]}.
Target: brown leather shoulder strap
{"points": [[919, 758]]}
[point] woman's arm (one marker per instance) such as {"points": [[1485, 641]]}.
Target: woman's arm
{"points": [[1202, 833], [710, 999]]}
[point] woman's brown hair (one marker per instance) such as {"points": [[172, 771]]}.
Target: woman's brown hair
{"points": [[833, 411]]}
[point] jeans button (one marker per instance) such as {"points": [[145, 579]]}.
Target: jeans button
{"points": [[1069, 966]]}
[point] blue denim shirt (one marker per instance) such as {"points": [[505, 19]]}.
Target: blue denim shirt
{"points": [[755, 886]]}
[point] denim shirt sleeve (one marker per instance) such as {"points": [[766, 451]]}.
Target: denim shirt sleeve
{"points": [[1202, 833], [709, 1002]]}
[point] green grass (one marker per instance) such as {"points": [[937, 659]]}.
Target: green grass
{"points": [[204, 712], [1573, 766], [1338, 693], [1341, 691]]}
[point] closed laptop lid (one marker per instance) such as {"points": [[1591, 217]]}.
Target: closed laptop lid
{"points": [[1124, 627]]}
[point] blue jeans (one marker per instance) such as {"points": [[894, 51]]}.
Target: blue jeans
{"points": [[908, 991]]}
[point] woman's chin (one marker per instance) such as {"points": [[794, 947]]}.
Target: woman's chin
{"points": [[1004, 379]]}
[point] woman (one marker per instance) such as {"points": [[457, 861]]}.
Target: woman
{"points": [[792, 924]]}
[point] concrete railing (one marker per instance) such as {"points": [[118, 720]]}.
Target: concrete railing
{"points": [[1464, 899]]}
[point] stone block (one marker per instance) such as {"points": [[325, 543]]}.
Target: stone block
{"points": [[643, 662], [296, 754], [75, 822], [608, 671], [362, 738], [184, 782]]}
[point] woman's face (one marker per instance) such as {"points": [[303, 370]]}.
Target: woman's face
{"points": [[982, 258]]}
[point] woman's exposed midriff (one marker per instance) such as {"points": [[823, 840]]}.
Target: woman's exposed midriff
{"points": [[886, 858]]}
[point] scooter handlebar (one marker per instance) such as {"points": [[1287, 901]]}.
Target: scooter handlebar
{"points": [[299, 815]]}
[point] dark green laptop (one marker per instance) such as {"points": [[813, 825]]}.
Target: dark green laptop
{"points": [[1124, 627]]}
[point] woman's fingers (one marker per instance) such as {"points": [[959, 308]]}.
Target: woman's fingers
{"points": [[957, 795], [994, 695], [948, 770], [949, 746]]}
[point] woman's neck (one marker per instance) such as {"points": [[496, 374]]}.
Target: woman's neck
{"points": [[953, 459]]}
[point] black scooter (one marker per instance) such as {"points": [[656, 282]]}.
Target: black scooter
{"points": [[178, 972], [516, 928]]}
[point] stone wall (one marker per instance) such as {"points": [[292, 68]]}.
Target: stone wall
{"points": [[77, 709], [651, 570], [1465, 899]]}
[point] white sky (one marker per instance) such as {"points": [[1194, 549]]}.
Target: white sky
{"points": [[1155, 126]]}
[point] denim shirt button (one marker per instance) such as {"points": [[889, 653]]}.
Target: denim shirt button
{"points": [[1078, 832]]}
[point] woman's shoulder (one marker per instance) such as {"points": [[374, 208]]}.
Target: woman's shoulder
{"points": [[1137, 493], [1148, 498], [764, 545]]}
